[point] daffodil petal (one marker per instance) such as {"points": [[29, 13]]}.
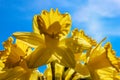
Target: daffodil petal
{"points": [[59, 71], [112, 57], [35, 25], [82, 69], [48, 72], [2, 65], [35, 75], [76, 48], [31, 39], [80, 57], [102, 63], [11, 74], [106, 74], [67, 56], [69, 74], [97, 50], [39, 57], [21, 45]]}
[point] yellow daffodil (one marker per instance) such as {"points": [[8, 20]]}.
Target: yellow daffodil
{"points": [[13, 64], [82, 38], [97, 59], [80, 41], [106, 54], [12, 53], [49, 32]]}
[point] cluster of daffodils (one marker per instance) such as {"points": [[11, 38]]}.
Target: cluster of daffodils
{"points": [[75, 57]]}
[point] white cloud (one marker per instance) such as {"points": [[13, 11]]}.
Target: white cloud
{"points": [[94, 29], [113, 31], [91, 14], [107, 8], [82, 14]]}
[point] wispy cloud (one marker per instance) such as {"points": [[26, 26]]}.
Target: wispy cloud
{"points": [[108, 8], [112, 31], [92, 13]]}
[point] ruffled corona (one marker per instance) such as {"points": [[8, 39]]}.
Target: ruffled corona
{"points": [[50, 30], [52, 23], [81, 35], [12, 62], [79, 41]]}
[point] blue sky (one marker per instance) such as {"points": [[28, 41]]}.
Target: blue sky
{"points": [[97, 18]]}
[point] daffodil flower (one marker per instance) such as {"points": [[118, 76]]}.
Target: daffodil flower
{"points": [[12, 53], [104, 56], [79, 42], [13, 64], [49, 32], [52, 23]]}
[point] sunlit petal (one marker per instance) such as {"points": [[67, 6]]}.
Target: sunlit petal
{"points": [[32, 39], [67, 56], [2, 65], [11, 74], [80, 35], [112, 56], [30, 75], [106, 74], [39, 57], [48, 72], [82, 69]]}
